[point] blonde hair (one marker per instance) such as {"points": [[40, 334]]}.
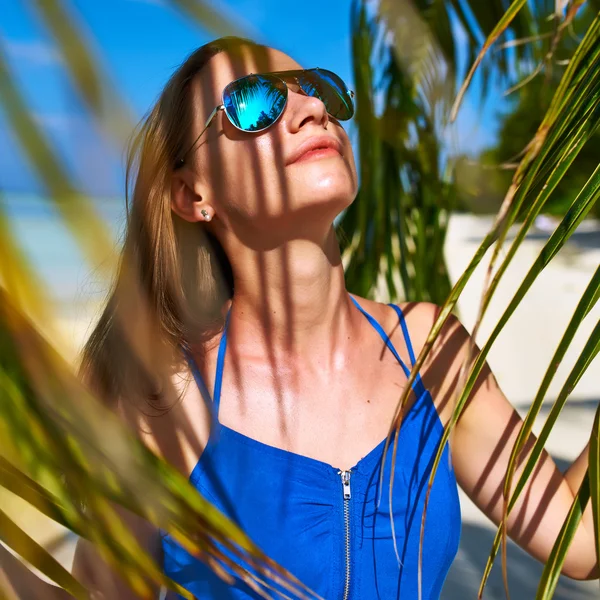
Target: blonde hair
{"points": [[174, 276]]}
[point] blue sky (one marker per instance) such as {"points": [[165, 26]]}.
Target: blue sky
{"points": [[140, 42]]}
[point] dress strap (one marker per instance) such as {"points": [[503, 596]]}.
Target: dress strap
{"points": [[220, 363], [216, 396], [197, 376], [418, 386]]}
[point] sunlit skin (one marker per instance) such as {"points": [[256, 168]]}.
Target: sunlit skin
{"points": [[304, 371]]}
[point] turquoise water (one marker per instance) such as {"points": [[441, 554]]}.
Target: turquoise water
{"points": [[51, 249]]}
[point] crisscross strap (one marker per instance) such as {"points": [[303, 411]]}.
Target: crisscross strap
{"points": [[418, 386], [214, 403]]}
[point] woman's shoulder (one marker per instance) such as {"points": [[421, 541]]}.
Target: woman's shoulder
{"points": [[176, 428], [440, 369], [419, 318]]}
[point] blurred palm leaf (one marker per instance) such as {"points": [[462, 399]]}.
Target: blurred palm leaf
{"points": [[83, 67], [51, 427], [206, 15], [29, 549], [434, 26], [59, 433], [77, 211]]}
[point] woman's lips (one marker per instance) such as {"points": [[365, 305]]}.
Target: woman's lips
{"points": [[316, 154], [315, 147]]}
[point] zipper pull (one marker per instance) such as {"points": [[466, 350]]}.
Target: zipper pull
{"points": [[346, 484]]}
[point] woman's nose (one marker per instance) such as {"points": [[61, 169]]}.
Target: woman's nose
{"points": [[304, 109]]}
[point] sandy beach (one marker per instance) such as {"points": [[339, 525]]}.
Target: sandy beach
{"points": [[519, 359]]}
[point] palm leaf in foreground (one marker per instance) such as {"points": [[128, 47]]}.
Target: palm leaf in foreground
{"points": [[587, 355], [579, 210], [64, 431], [84, 69], [77, 211], [586, 303], [559, 551], [531, 165], [16, 539], [581, 207], [579, 97]]}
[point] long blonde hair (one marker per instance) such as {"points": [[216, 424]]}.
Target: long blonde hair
{"points": [[174, 276]]}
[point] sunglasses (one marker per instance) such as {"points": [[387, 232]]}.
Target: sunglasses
{"points": [[254, 102]]}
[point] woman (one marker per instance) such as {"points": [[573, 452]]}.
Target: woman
{"points": [[295, 381]]}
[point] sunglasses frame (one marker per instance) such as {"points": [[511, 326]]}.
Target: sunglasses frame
{"points": [[293, 73]]}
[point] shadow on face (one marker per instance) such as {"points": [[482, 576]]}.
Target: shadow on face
{"points": [[246, 179]]}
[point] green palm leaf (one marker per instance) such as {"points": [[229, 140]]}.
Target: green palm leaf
{"points": [[498, 29], [35, 555], [579, 120], [594, 479], [559, 551]]}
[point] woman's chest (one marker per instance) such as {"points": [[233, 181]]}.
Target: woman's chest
{"points": [[319, 522], [336, 418]]}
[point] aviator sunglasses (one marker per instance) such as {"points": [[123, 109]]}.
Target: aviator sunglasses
{"points": [[254, 102]]}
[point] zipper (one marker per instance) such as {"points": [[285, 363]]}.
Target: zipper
{"points": [[345, 475]]}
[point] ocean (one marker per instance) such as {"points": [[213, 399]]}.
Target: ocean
{"points": [[52, 251]]}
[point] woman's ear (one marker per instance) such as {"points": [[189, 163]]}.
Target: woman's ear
{"points": [[188, 202]]}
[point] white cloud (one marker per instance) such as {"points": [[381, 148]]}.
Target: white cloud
{"points": [[33, 51]]}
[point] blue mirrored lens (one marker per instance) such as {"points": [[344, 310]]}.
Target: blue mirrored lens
{"points": [[330, 89], [255, 102]]}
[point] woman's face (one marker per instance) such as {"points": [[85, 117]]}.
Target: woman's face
{"points": [[246, 180]]}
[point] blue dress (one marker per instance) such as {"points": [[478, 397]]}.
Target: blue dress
{"points": [[326, 526]]}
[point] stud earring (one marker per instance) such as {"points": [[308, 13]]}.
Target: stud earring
{"points": [[205, 214]]}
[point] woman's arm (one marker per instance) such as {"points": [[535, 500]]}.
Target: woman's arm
{"points": [[481, 445], [88, 568]]}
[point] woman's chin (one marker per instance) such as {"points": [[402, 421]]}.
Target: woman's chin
{"points": [[330, 172], [328, 185], [324, 203]]}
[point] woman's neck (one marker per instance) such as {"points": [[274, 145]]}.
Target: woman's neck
{"points": [[292, 299]]}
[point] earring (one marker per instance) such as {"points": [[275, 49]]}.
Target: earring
{"points": [[205, 214]]}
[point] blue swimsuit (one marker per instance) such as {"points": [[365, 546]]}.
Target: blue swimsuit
{"points": [[326, 526]]}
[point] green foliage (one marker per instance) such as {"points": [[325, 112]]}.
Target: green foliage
{"points": [[484, 180], [519, 126], [395, 229]]}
